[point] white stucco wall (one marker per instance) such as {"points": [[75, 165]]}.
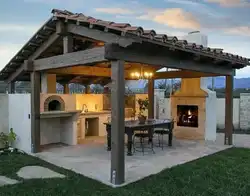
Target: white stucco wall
{"points": [[19, 111], [4, 113], [220, 110]]}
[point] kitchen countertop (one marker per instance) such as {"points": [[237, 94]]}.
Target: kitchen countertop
{"points": [[56, 114], [95, 112]]}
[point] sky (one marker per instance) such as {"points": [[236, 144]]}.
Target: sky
{"points": [[225, 22]]}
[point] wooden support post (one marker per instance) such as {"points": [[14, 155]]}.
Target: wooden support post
{"points": [[151, 98], [66, 88], [117, 125], [229, 111], [67, 44], [35, 78], [11, 88]]}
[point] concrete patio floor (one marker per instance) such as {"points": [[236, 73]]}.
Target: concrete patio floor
{"points": [[93, 161]]}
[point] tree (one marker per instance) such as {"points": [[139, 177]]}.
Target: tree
{"points": [[97, 89], [162, 85]]}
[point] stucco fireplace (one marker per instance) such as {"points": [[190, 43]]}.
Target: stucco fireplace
{"points": [[193, 109]]}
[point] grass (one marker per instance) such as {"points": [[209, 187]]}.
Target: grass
{"points": [[226, 173]]}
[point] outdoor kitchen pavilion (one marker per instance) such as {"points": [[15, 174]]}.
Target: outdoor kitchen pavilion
{"points": [[86, 50]]}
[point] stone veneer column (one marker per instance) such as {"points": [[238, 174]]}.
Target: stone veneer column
{"points": [[48, 83]]}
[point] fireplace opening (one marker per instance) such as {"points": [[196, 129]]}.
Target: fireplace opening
{"points": [[187, 115], [54, 105]]}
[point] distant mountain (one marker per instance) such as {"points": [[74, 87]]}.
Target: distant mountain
{"points": [[219, 82]]}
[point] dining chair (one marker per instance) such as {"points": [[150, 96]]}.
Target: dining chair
{"points": [[161, 132]]}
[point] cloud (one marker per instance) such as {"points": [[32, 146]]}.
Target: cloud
{"points": [[173, 17], [184, 2], [21, 28], [115, 11], [14, 33], [231, 3], [241, 30], [7, 51]]}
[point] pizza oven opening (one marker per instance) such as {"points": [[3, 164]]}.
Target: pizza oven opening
{"points": [[54, 106], [187, 115], [54, 103]]}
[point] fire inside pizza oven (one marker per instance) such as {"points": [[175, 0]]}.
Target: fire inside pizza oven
{"points": [[187, 115]]}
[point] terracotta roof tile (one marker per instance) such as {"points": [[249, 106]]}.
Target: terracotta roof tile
{"points": [[124, 28]]}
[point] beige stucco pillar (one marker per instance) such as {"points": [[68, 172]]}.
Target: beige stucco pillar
{"points": [[87, 89], [48, 83], [66, 88]]}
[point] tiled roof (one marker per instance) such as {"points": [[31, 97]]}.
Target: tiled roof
{"points": [[126, 28], [122, 29]]}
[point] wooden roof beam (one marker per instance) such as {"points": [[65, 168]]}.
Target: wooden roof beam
{"points": [[101, 35], [182, 74], [160, 57], [84, 57]]}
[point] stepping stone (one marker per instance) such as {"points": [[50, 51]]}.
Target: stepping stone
{"points": [[6, 181], [36, 172]]}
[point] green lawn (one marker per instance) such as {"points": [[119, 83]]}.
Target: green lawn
{"points": [[226, 173]]}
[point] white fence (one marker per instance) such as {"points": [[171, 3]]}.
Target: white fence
{"points": [[241, 111]]}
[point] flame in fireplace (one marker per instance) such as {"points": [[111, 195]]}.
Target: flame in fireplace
{"points": [[187, 115]]}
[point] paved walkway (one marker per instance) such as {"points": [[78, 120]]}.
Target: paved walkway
{"points": [[94, 161], [30, 172]]}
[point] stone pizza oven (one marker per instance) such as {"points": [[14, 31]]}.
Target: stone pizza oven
{"points": [[54, 103]]}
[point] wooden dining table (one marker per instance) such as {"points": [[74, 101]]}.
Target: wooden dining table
{"points": [[134, 125]]}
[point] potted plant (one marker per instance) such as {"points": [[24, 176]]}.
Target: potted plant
{"points": [[3, 140], [11, 137], [143, 106], [6, 140]]}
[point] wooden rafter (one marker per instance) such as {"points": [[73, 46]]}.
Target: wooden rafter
{"points": [[101, 35]]}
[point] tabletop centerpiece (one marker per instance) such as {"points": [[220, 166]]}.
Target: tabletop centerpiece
{"points": [[143, 107]]}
